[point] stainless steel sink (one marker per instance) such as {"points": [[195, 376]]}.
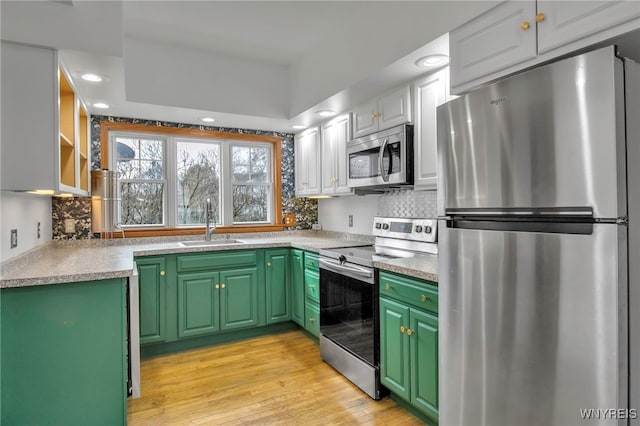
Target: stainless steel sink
{"points": [[201, 243]]}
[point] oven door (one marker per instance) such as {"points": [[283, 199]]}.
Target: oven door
{"points": [[349, 312]]}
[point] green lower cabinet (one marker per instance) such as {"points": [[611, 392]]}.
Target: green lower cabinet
{"points": [[312, 322], [278, 285], [424, 361], [394, 348], [297, 287], [239, 298], [64, 354], [153, 293], [217, 301], [409, 354], [198, 304]]}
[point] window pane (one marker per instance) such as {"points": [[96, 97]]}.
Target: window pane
{"points": [[250, 164], [198, 178], [141, 203], [139, 158], [250, 203]]}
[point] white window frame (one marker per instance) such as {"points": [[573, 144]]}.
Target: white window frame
{"points": [[113, 165], [170, 158]]}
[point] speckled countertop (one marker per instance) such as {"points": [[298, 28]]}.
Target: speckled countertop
{"points": [[99, 259]]}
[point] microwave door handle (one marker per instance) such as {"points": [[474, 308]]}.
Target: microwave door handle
{"points": [[383, 173]]}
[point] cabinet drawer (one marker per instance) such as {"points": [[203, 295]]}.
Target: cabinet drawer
{"points": [[312, 319], [312, 285], [418, 293], [311, 261], [216, 260]]}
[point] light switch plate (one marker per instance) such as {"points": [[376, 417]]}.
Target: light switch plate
{"points": [[14, 238]]}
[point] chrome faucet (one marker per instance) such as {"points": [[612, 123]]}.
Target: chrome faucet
{"points": [[209, 229]]}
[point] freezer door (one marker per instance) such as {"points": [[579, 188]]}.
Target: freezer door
{"points": [[550, 137], [533, 327]]}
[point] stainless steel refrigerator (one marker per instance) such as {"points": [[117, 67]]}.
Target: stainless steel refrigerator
{"points": [[537, 194]]}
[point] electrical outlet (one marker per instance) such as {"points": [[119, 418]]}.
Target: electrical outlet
{"points": [[350, 220], [14, 238], [69, 226], [38, 230], [316, 227]]}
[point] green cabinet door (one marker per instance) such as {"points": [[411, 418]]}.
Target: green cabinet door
{"points": [[278, 285], [64, 354], [152, 290], [394, 347], [312, 324], [297, 287], [198, 304], [238, 298], [424, 362]]}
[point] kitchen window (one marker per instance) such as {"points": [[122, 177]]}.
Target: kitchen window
{"points": [[165, 180]]}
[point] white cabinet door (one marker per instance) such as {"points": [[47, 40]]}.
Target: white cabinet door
{"points": [[394, 108], [335, 135], [429, 92], [342, 129], [493, 41], [29, 118], [307, 163], [328, 137], [365, 119], [568, 21]]}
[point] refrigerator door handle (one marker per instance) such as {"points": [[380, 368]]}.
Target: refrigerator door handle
{"points": [[557, 226]]}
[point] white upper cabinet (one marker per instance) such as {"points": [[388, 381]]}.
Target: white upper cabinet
{"points": [[494, 40], [562, 22], [516, 35], [307, 163], [45, 127], [391, 109], [428, 93], [335, 134]]}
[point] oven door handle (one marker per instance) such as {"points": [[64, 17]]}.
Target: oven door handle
{"points": [[338, 267], [383, 174]]}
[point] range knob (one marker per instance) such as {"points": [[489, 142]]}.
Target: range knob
{"points": [[378, 225], [385, 226], [427, 229], [418, 228]]}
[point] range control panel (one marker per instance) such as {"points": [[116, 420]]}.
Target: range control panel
{"points": [[406, 228]]}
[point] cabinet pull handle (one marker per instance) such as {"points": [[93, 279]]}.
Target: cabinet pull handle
{"points": [[540, 17], [222, 285], [373, 115], [387, 286], [162, 273], [409, 332], [424, 298], [268, 263], [402, 329], [524, 26], [217, 285], [311, 320]]}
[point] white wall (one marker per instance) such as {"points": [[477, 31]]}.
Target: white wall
{"points": [[333, 213], [23, 212]]}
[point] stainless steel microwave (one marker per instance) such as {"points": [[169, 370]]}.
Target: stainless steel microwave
{"points": [[382, 160]]}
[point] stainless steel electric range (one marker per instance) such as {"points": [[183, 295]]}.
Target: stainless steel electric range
{"points": [[349, 316]]}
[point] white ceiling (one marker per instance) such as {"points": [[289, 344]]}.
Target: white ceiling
{"points": [[249, 64]]}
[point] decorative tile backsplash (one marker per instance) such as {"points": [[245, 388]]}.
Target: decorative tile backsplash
{"points": [[305, 210], [78, 209], [408, 203]]}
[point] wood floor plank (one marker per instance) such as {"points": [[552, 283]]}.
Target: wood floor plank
{"points": [[278, 379]]}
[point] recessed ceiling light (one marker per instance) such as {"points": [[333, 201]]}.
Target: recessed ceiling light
{"points": [[101, 105], [298, 126], [208, 119], [94, 78], [432, 61], [325, 113]]}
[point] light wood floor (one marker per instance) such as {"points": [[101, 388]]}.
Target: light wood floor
{"points": [[276, 379]]}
